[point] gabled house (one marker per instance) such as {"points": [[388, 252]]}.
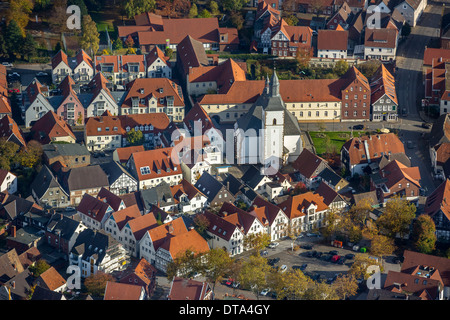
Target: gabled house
{"points": [[224, 234], [100, 99], [62, 232], [140, 274], [308, 166], [82, 67], [332, 43], [60, 67], [67, 103], [189, 289], [358, 153], [340, 18], [84, 180], [96, 251], [381, 44], [438, 209], [274, 220], [396, 179], [193, 164], [70, 155], [120, 70], [12, 207], [122, 154], [255, 179], [8, 182], [52, 128], [159, 196], [34, 102], [331, 197], [10, 131], [154, 95], [94, 212], [305, 211], [214, 190], [52, 280], [47, 190], [120, 180], [411, 10], [188, 197], [383, 98], [286, 39], [5, 106], [157, 64], [152, 167], [123, 291], [440, 144]]}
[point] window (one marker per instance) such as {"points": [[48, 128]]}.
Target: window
{"points": [[145, 170]]}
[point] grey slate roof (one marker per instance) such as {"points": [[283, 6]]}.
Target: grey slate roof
{"points": [[252, 176], [85, 178], [64, 225], [93, 243], [330, 176], [232, 184], [161, 194], [65, 149], [114, 171], [43, 181], [41, 293], [208, 185]]}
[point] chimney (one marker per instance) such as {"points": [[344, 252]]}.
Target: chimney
{"points": [[170, 228], [13, 231], [224, 213]]}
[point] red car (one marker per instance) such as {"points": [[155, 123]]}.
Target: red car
{"points": [[335, 258], [229, 282]]}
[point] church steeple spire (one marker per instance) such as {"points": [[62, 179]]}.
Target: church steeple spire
{"points": [[274, 85]]}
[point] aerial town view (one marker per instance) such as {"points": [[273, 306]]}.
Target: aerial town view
{"points": [[242, 151]]}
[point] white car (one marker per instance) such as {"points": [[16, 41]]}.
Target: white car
{"points": [[42, 74], [264, 292], [7, 64], [273, 245], [283, 268]]}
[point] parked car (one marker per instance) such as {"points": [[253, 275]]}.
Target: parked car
{"points": [[273, 261], [264, 292], [273, 245], [341, 260], [358, 127], [426, 125], [7, 64], [69, 209], [236, 285], [307, 246], [349, 256], [326, 257], [303, 266], [312, 235], [333, 252], [335, 258], [264, 253], [319, 254], [283, 268], [42, 74]]}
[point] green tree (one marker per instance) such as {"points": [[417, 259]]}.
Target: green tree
{"points": [[168, 52], [13, 37], [118, 44], [184, 265], [216, 263], [201, 224], [135, 137], [28, 47], [291, 285], [397, 217], [291, 20], [340, 68], [233, 5], [320, 291], [237, 20], [214, 7], [303, 55], [41, 5], [359, 268], [79, 3], [193, 11], [256, 242], [345, 286], [39, 268], [19, 11], [95, 284], [204, 14], [32, 156], [253, 274], [8, 151], [90, 38], [424, 234]]}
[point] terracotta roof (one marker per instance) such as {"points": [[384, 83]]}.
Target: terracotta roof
{"points": [[122, 291], [328, 193], [188, 289], [156, 53], [378, 145], [190, 240], [83, 56], [120, 63], [104, 126], [9, 129], [383, 83], [59, 57], [219, 226], [191, 54], [141, 224], [264, 210], [414, 259], [395, 171], [401, 282], [49, 127], [111, 198], [160, 163], [238, 217], [437, 200], [160, 233], [125, 31], [185, 187], [442, 153], [204, 30], [143, 270], [123, 216], [158, 88], [431, 53], [307, 163], [297, 206], [125, 152], [93, 207], [381, 38], [197, 113], [332, 40], [224, 74], [352, 75], [52, 279], [5, 106]]}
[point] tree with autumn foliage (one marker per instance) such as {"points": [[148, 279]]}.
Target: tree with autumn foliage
{"points": [[256, 242], [291, 285], [382, 246], [424, 234], [303, 56], [253, 274], [215, 264], [345, 286], [95, 284], [31, 156], [397, 217]]}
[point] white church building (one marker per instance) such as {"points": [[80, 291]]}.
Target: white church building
{"points": [[268, 134]]}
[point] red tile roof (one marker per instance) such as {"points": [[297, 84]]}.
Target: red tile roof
{"points": [[160, 233], [59, 57], [431, 53], [190, 240], [122, 291], [401, 282], [52, 279], [9, 128], [123, 216], [383, 83], [93, 207], [5, 106], [381, 38], [161, 163], [50, 127], [120, 63], [297, 206], [437, 201], [307, 163], [125, 152], [395, 172], [154, 54], [332, 40], [188, 289]]}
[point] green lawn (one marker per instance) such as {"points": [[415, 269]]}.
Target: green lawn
{"points": [[337, 139]]}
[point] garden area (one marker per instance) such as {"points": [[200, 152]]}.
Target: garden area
{"points": [[331, 142]]}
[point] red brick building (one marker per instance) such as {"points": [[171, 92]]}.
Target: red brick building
{"points": [[355, 95]]}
